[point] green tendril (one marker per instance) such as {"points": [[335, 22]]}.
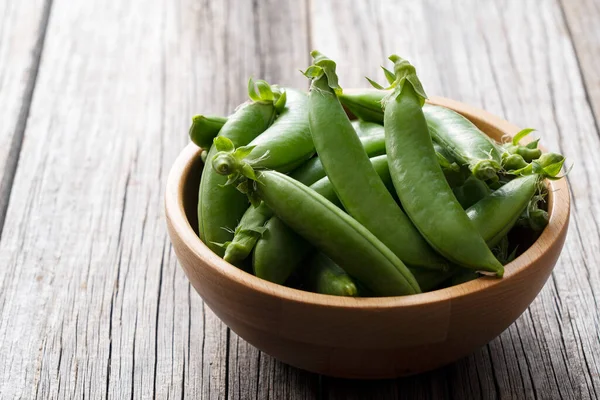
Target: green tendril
{"points": [[520, 135], [323, 67]]}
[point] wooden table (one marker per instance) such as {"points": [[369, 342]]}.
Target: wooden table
{"points": [[96, 98]]}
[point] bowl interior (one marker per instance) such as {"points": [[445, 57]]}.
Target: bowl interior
{"points": [[495, 127]]}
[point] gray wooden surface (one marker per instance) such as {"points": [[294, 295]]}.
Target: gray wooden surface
{"points": [[95, 100]]}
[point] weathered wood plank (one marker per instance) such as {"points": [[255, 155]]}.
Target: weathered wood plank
{"points": [[582, 25], [515, 59], [282, 47], [22, 32], [93, 303]]}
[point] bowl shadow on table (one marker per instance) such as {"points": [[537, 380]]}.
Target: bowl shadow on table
{"points": [[469, 377]]}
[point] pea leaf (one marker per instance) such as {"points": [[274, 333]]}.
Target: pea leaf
{"points": [[389, 75], [375, 84], [243, 152], [521, 135], [248, 172], [314, 71]]}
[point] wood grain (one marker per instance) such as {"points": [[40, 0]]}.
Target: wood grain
{"points": [[92, 301], [515, 60], [22, 31], [582, 26]]}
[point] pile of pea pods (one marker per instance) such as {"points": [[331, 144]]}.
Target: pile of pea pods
{"points": [[406, 198]]}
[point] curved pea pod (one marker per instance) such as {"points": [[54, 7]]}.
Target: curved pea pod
{"points": [[496, 214], [467, 144], [336, 234], [248, 231], [364, 128], [351, 172], [279, 258], [205, 128], [364, 104], [326, 277], [312, 170], [413, 164], [493, 217], [277, 251], [252, 227], [220, 208], [287, 143]]}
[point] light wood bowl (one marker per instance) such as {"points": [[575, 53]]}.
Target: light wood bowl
{"points": [[363, 337]]}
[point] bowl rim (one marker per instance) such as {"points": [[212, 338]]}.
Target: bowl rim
{"points": [[558, 199]]}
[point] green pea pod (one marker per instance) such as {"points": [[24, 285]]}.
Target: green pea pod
{"points": [[365, 105], [220, 208], [528, 154], [413, 164], [464, 140], [258, 230], [312, 170], [493, 216], [287, 143], [276, 259], [471, 192], [496, 214], [248, 231], [272, 265], [205, 128], [364, 128], [445, 154], [351, 173], [326, 277], [513, 162], [336, 234], [467, 144]]}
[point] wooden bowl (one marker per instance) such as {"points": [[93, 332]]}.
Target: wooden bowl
{"points": [[363, 337]]}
